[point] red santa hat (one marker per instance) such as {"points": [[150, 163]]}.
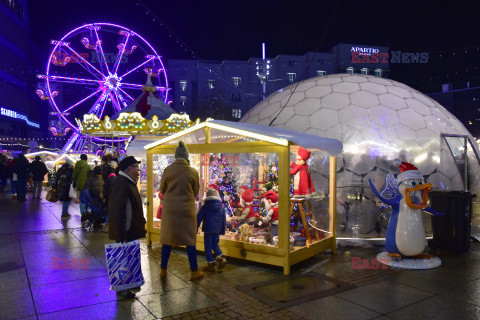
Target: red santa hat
{"points": [[213, 186], [160, 195], [272, 195], [304, 154], [247, 196], [242, 188], [408, 171]]}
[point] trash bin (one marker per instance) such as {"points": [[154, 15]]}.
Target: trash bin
{"points": [[451, 232]]}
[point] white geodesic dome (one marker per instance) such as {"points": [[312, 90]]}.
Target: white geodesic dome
{"points": [[378, 120]]}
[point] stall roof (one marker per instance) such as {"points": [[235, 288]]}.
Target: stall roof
{"points": [[276, 135]]}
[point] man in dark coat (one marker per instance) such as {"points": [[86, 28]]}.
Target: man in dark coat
{"points": [[61, 181], [22, 169], [39, 170], [125, 211]]}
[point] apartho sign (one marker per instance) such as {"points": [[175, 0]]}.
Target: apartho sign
{"points": [[373, 55]]}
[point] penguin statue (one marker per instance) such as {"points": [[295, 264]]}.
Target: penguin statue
{"points": [[405, 232]]}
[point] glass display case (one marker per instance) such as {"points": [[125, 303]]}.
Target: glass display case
{"points": [[233, 160]]}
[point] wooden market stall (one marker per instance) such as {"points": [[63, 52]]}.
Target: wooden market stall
{"points": [[252, 146]]}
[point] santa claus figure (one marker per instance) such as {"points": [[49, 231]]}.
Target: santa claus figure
{"points": [[235, 201], [302, 182], [247, 215], [270, 198]]}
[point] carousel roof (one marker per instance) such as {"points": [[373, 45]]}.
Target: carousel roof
{"points": [[148, 104]]}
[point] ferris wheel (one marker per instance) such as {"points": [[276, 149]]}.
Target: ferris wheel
{"points": [[99, 68]]}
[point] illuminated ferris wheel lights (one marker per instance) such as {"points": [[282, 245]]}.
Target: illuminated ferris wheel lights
{"points": [[60, 43]]}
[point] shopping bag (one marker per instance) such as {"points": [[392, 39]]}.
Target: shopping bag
{"points": [[123, 265], [52, 195], [72, 193]]}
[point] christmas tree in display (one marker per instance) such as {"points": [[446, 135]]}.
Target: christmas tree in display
{"points": [[221, 175], [271, 178]]}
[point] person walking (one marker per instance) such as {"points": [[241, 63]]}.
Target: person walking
{"points": [[179, 186], [79, 176], [39, 170], [125, 213], [94, 186], [214, 219], [61, 181], [22, 169], [106, 195], [13, 178]]}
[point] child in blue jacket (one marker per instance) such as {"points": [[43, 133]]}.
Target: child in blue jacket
{"points": [[213, 217]]}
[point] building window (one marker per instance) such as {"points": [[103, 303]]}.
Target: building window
{"points": [[321, 73], [15, 6], [183, 85], [236, 113], [378, 73], [183, 100], [236, 97], [292, 77], [364, 71], [236, 81], [291, 63], [211, 84], [350, 70]]}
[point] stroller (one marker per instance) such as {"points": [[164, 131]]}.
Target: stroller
{"points": [[97, 215]]}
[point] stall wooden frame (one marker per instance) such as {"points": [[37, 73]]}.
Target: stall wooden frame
{"points": [[282, 255]]}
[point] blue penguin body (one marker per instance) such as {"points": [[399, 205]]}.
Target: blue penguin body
{"points": [[394, 202]]}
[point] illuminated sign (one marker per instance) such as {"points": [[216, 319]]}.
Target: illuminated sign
{"points": [[365, 50], [13, 114]]}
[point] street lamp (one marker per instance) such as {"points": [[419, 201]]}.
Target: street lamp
{"points": [[263, 70]]}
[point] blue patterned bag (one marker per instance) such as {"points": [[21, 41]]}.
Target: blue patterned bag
{"points": [[123, 265]]}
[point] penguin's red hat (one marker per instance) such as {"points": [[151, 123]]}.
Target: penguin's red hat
{"points": [[304, 154], [247, 195], [272, 195], [408, 171]]}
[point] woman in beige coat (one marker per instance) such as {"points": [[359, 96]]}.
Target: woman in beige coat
{"points": [[179, 186]]}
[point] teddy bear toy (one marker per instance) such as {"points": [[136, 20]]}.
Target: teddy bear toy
{"points": [[244, 232]]}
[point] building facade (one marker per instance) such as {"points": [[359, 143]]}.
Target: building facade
{"points": [[22, 113], [228, 89]]}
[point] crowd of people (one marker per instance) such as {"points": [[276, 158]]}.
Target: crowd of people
{"points": [[110, 190]]}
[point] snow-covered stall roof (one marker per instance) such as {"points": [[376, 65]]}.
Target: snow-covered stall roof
{"points": [[332, 146]]}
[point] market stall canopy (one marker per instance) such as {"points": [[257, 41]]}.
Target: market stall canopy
{"points": [[246, 130], [136, 148]]}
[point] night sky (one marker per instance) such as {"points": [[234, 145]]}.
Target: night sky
{"points": [[227, 29]]}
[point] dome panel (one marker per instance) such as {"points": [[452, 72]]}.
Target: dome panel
{"points": [[307, 106], [354, 78], [383, 116], [278, 96], [293, 99], [269, 110], [324, 119], [298, 123], [364, 99], [411, 119], [283, 117], [354, 116], [345, 87], [383, 81], [423, 98], [399, 92], [392, 101], [335, 101], [373, 87], [418, 106], [318, 91], [325, 81], [303, 86]]}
